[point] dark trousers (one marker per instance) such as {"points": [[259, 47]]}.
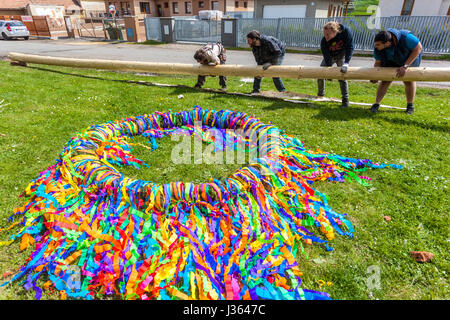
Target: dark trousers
{"points": [[276, 81], [222, 80], [342, 83]]}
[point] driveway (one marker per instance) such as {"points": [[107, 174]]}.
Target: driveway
{"points": [[176, 53]]}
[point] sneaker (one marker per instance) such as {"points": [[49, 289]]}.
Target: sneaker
{"points": [[255, 92], [345, 103], [410, 109], [197, 86], [224, 89], [375, 107], [321, 95]]}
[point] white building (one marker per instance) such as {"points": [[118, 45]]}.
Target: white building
{"points": [[414, 8], [300, 8]]}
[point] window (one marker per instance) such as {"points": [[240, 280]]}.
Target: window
{"points": [[245, 4], [214, 5], [201, 4], [407, 7], [188, 7], [175, 7], [125, 8], [16, 24], [145, 7], [166, 4], [236, 4]]}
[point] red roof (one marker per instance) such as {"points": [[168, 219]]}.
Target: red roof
{"points": [[13, 4]]}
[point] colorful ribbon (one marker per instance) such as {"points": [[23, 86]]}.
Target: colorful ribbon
{"points": [[97, 232]]}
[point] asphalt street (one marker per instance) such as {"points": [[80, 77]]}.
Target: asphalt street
{"points": [[176, 53]]}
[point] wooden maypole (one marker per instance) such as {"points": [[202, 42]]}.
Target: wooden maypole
{"points": [[296, 72]]}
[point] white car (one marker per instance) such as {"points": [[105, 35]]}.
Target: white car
{"points": [[13, 29]]}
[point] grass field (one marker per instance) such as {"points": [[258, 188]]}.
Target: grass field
{"points": [[44, 107]]}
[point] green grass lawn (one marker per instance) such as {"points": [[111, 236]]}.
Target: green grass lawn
{"points": [[44, 107]]}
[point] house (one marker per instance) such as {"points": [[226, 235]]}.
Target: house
{"points": [[301, 8], [389, 8], [37, 7], [93, 8], [170, 8]]}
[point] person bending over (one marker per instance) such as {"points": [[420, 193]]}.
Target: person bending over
{"points": [[211, 54], [337, 48], [399, 49], [267, 51]]}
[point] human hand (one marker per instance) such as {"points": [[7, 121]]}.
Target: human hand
{"points": [[401, 72], [266, 65], [344, 68]]}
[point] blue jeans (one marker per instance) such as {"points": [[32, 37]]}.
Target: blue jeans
{"points": [[276, 81]]}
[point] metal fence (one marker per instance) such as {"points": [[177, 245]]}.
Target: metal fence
{"points": [[193, 30], [153, 29], [433, 31]]}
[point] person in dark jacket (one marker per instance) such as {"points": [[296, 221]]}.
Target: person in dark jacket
{"points": [[399, 49], [267, 51], [336, 47]]}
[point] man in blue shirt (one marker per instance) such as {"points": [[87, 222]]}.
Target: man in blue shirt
{"points": [[399, 49]]}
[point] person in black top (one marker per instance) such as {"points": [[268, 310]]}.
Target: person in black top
{"points": [[337, 47], [267, 51]]}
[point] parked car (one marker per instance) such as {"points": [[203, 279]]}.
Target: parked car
{"points": [[13, 29]]}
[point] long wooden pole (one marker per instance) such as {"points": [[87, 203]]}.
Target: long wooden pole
{"points": [[296, 72]]}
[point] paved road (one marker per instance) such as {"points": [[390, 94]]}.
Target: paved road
{"points": [[177, 53]]}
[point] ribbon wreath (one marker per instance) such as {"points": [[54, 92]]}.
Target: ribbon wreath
{"points": [[97, 232]]}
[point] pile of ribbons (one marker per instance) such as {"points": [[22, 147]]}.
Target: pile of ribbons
{"points": [[96, 232]]}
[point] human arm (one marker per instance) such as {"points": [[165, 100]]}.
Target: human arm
{"points": [[272, 51], [266, 65], [326, 53], [275, 48], [349, 48], [412, 57], [214, 63], [213, 59]]}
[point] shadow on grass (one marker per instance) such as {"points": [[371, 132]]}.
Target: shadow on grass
{"points": [[332, 112], [327, 110]]}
